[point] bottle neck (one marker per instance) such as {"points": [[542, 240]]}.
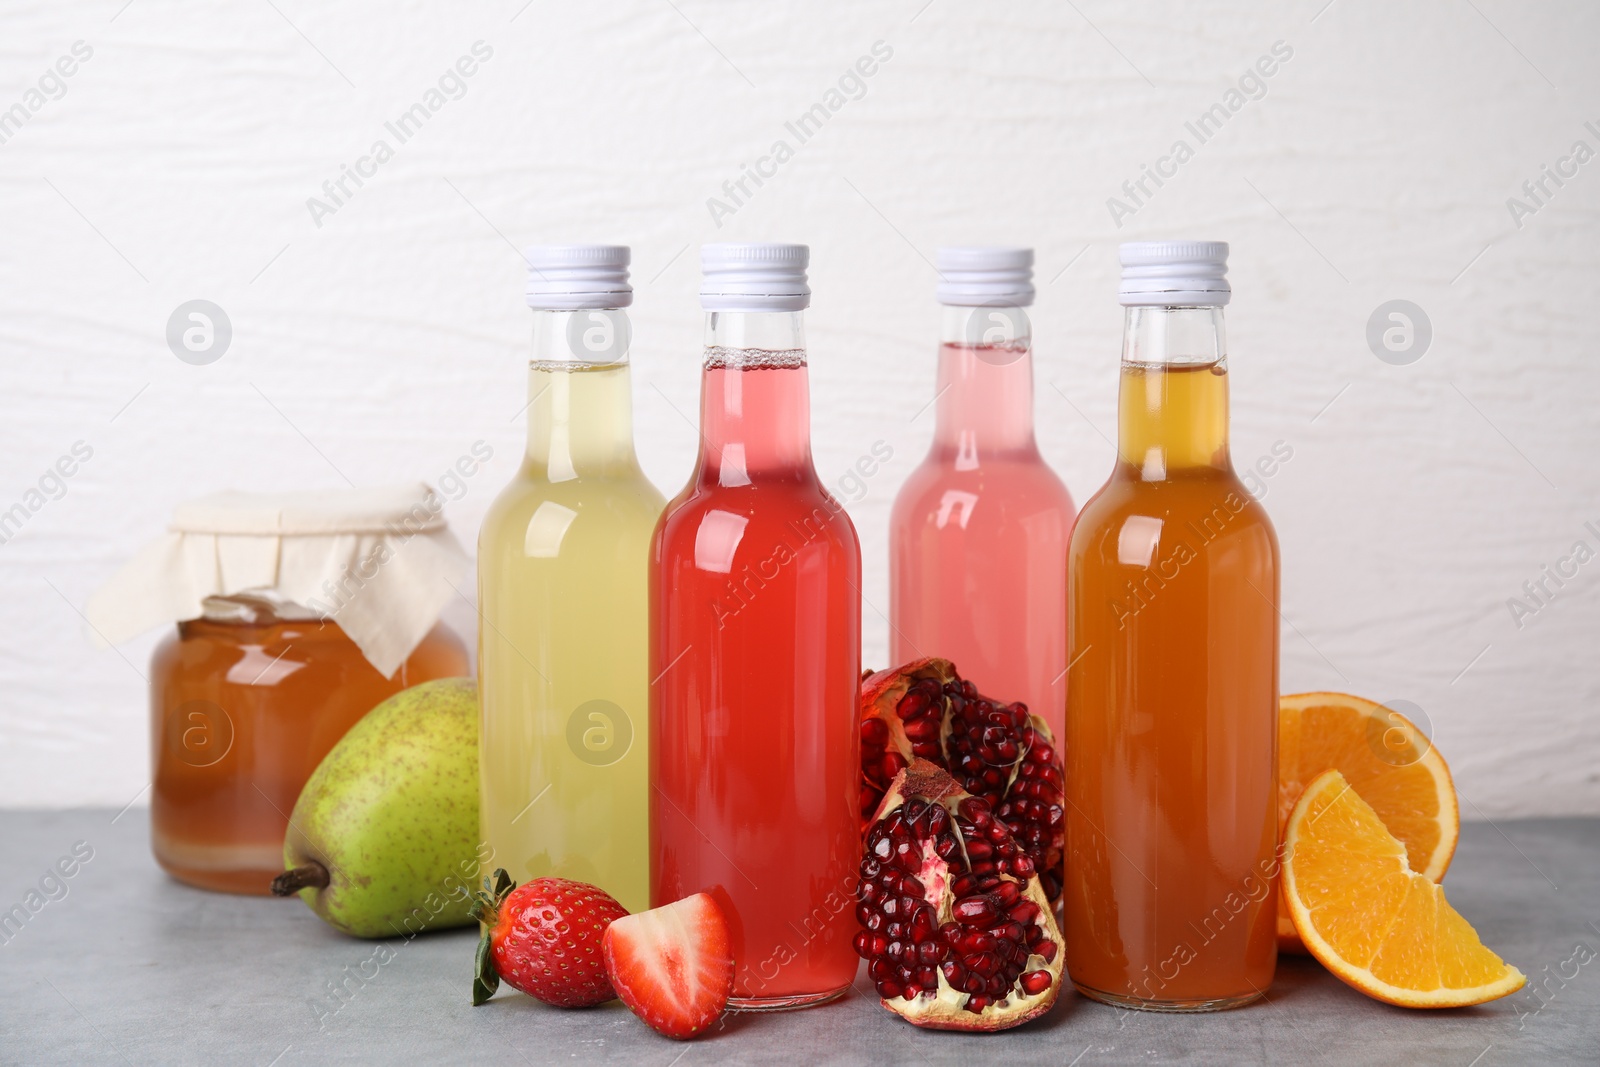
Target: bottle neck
{"points": [[985, 387], [755, 399], [1173, 404], [580, 400]]}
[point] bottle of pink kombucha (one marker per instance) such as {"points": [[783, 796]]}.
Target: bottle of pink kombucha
{"points": [[979, 531], [755, 654]]}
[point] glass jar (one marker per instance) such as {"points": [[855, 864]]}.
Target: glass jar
{"points": [[244, 702]]}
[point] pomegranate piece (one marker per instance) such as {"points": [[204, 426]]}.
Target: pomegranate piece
{"points": [[995, 751], [955, 927]]}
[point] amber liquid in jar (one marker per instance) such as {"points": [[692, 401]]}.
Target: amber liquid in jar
{"points": [[243, 708]]}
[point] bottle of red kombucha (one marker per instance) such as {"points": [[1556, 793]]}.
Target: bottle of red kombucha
{"points": [[755, 611]]}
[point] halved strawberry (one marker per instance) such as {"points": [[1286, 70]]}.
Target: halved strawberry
{"points": [[672, 965]]}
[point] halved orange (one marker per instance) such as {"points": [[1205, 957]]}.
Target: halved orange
{"points": [[1389, 762], [1372, 920]]}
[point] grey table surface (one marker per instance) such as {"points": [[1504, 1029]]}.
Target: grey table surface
{"points": [[122, 965]]}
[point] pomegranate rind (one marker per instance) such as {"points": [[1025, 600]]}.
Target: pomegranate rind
{"points": [[880, 695], [945, 1009]]}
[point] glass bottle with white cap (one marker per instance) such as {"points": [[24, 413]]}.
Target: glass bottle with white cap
{"points": [[755, 653], [562, 559], [978, 536], [1172, 698]]}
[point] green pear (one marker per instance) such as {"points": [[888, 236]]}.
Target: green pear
{"points": [[383, 841]]}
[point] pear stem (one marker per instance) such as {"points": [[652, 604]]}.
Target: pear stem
{"points": [[311, 875]]}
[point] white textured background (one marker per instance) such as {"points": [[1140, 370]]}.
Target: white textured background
{"points": [[382, 344]]}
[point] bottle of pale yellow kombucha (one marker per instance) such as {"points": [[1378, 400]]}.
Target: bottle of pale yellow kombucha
{"points": [[562, 570]]}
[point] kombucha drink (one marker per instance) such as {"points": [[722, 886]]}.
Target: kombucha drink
{"points": [[1172, 699], [978, 536], [755, 654], [244, 703], [562, 571]]}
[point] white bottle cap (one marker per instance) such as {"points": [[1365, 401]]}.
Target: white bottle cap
{"points": [[754, 277], [1175, 274], [985, 276], [578, 277]]}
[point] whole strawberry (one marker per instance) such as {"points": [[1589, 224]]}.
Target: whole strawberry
{"points": [[544, 938]]}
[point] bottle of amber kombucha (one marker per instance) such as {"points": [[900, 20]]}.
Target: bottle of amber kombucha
{"points": [[1172, 694]]}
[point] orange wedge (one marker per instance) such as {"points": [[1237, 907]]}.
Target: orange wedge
{"points": [[1389, 762], [1372, 920]]}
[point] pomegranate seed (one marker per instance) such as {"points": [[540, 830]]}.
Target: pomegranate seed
{"points": [[1011, 931], [1035, 982], [984, 963], [880, 970], [914, 703], [874, 732], [863, 913], [1047, 950], [895, 931], [976, 910], [923, 729], [1024, 911], [863, 944], [978, 941], [893, 764], [1008, 893], [977, 1004], [928, 978], [888, 990]]}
